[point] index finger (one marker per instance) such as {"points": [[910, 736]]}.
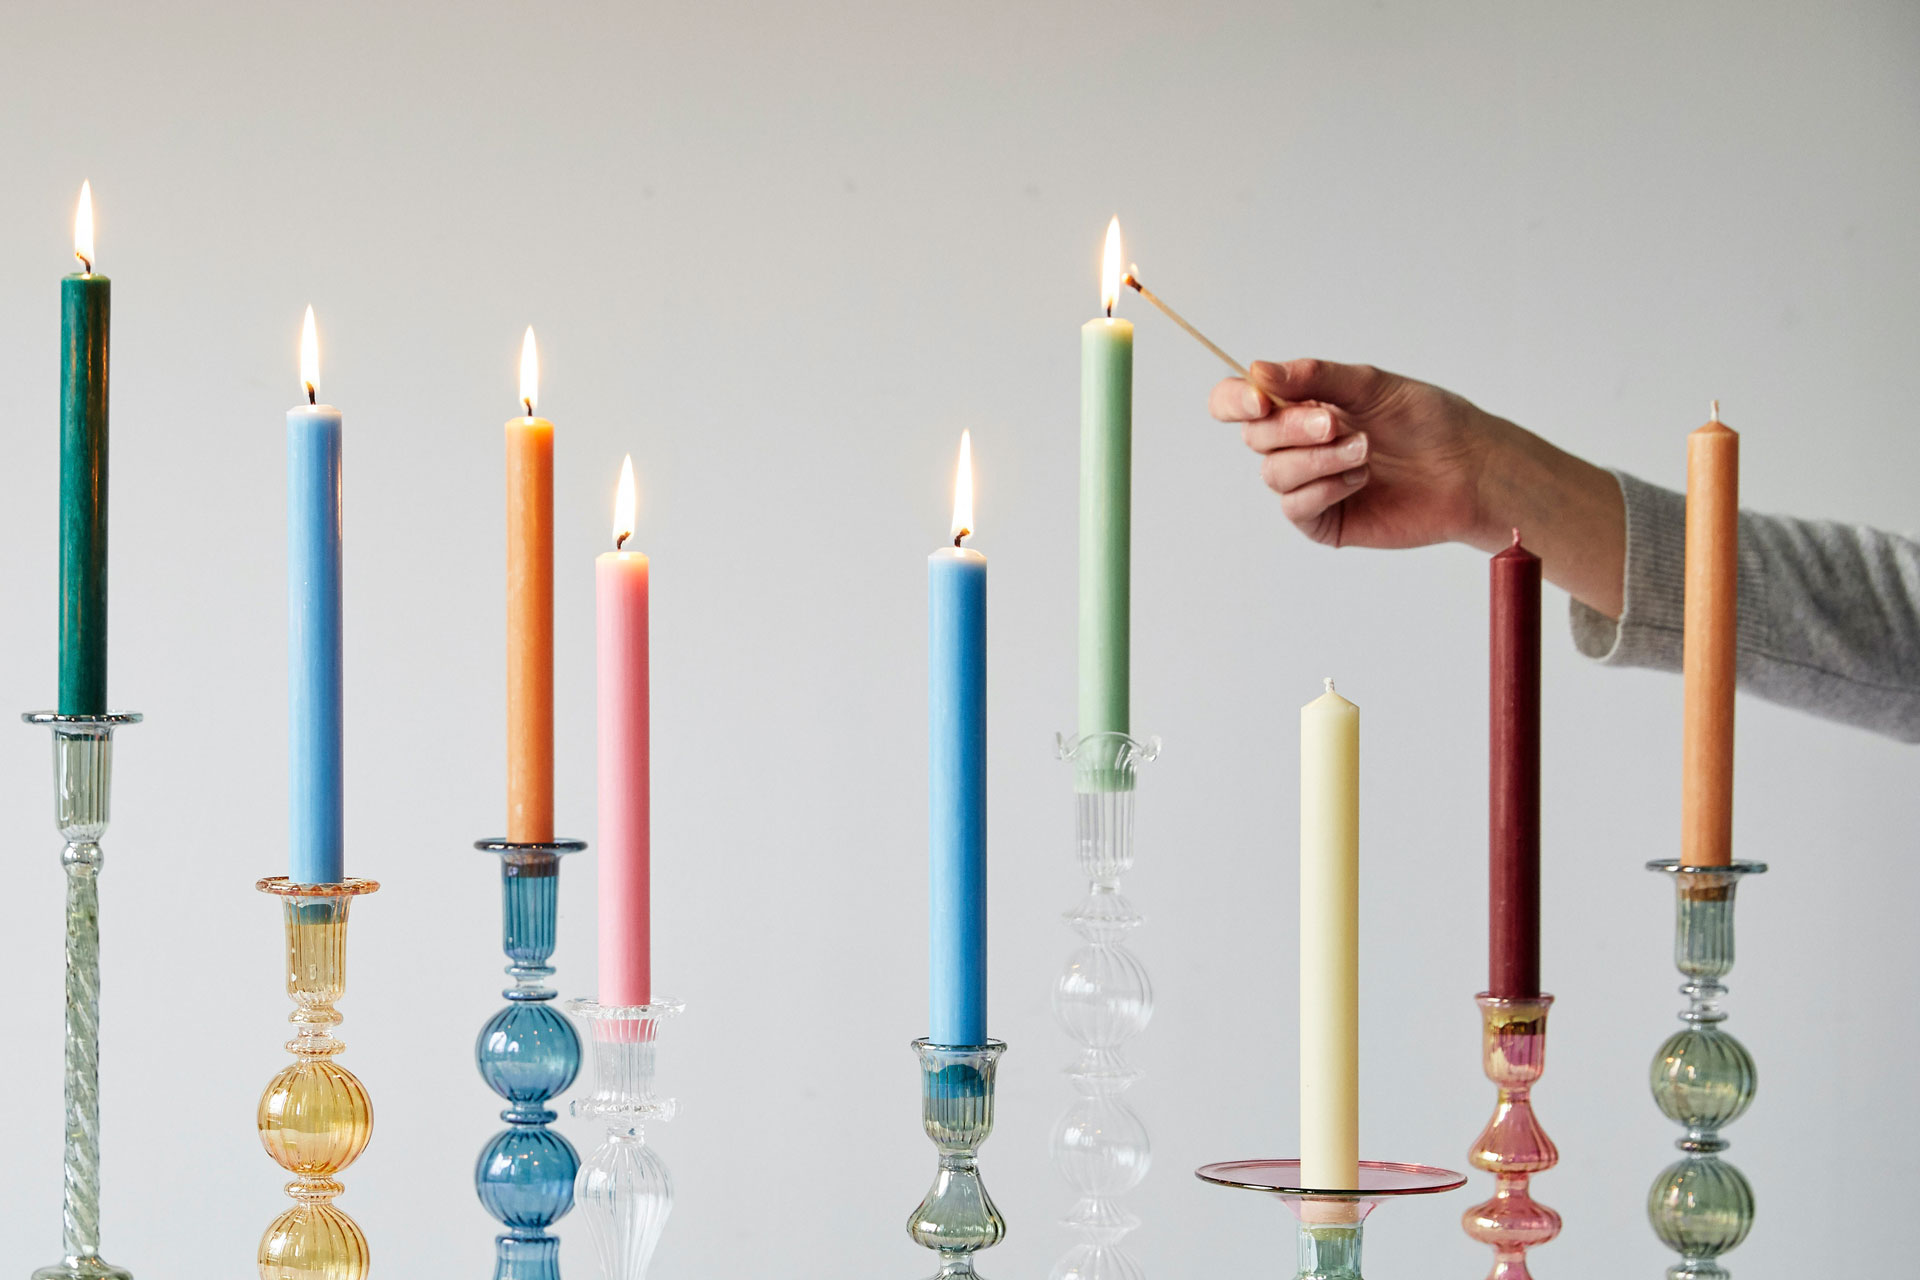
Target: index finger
{"points": [[1237, 400]]}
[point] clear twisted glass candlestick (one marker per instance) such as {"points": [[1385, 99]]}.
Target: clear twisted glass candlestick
{"points": [[315, 1117], [957, 1217], [624, 1189], [528, 1054], [1103, 1000], [1703, 1079], [1513, 1147], [82, 789], [1328, 1237]]}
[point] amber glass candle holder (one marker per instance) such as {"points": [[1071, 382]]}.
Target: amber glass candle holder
{"points": [[957, 1218], [1513, 1147], [82, 791], [1103, 1000], [1329, 1222], [1703, 1080], [624, 1190], [315, 1117]]}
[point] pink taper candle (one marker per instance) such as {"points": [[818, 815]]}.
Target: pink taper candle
{"points": [[620, 609]]}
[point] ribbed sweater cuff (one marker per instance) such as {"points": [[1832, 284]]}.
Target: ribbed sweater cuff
{"points": [[1648, 633]]}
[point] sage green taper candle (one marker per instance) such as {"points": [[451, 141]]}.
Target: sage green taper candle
{"points": [[85, 307], [1106, 502]]}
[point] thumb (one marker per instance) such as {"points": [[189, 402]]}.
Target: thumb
{"points": [[1348, 385]]}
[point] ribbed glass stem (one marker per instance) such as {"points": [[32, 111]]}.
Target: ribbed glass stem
{"points": [[957, 1217], [1329, 1253], [624, 1188]]}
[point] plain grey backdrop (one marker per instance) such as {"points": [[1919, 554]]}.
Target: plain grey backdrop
{"points": [[783, 254]]}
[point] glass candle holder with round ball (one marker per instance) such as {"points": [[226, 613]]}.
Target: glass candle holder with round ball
{"points": [[315, 1117], [1513, 1147], [528, 1054]]}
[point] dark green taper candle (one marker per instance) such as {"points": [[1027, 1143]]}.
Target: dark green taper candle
{"points": [[85, 309]]}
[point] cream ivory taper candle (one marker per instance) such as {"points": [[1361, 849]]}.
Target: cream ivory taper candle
{"points": [[1330, 943]]}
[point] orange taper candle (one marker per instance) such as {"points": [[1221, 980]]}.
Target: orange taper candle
{"points": [[529, 614], [1713, 571]]}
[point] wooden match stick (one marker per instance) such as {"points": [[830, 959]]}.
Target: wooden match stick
{"points": [[1133, 281]]}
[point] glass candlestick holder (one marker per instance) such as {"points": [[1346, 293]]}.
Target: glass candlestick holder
{"points": [[1329, 1222], [624, 1189], [1103, 1000], [957, 1217], [315, 1117], [1703, 1080], [82, 791], [528, 1054], [1513, 1147]]}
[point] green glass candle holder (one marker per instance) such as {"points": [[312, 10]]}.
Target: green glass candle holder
{"points": [[1703, 1079], [957, 1218]]}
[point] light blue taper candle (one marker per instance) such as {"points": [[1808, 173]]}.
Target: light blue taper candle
{"points": [[313, 630], [957, 779]]}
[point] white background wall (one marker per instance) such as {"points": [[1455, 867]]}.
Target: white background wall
{"points": [[784, 254]]}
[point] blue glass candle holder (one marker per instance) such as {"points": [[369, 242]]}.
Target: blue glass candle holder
{"points": [[528, 1054]]}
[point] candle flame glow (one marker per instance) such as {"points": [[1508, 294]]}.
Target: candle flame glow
{"points": [[530, 373], [83, 228], [623, 504], [1110, 269], [309, 357], [963, 490]]}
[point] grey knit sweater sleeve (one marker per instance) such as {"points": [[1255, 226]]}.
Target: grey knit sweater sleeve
{"points": [[1829, 613]]}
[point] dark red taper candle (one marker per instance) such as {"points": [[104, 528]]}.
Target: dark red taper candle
{"points": [[1513, 811]]}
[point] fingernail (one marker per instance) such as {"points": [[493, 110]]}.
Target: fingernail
{"points": [[1354, 450], [1356, 477], [1256, 403], [1323, 426]]}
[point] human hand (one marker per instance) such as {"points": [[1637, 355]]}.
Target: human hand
{"points": [[1363, 458]]}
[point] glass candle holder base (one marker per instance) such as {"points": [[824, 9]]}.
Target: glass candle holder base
{"points": [[1703, 1080], [1513, 1147], [315, 1117], [957, 1218], [624, 1189], [528, 1054], [1103, 1000], [82, 794], [1330, 1222]]}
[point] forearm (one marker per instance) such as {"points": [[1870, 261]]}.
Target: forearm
{"points": [[1568, 512], [1829, 615]]}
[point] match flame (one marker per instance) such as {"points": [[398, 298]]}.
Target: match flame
{"points": [[624, 504], [963, 490], [83, 228], [530, 373], [309, 357], [1110, 269]]}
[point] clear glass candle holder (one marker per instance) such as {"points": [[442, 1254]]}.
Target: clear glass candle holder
{"points": [[82, 792], [957, 1218], [1103, 1000], [528, 1054], [1703, 1080], [315, 1117], [1330, 1222], [624, 1190]]}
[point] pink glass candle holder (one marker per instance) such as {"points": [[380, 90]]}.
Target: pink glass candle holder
{"points": [[1330, 1220], [1513, 1147]]}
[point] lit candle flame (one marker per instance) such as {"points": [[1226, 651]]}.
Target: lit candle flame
{"points": [[530, 373], [624, 504], [1110, 269], [83, 228], [309, 358], [963, 490]]}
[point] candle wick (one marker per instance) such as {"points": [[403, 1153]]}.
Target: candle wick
{"points": [[86, 263], [1716, 411], [529, 405], [312, 398], [959, 534], [1516, 537], [621, 541], [1328, 681]]}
